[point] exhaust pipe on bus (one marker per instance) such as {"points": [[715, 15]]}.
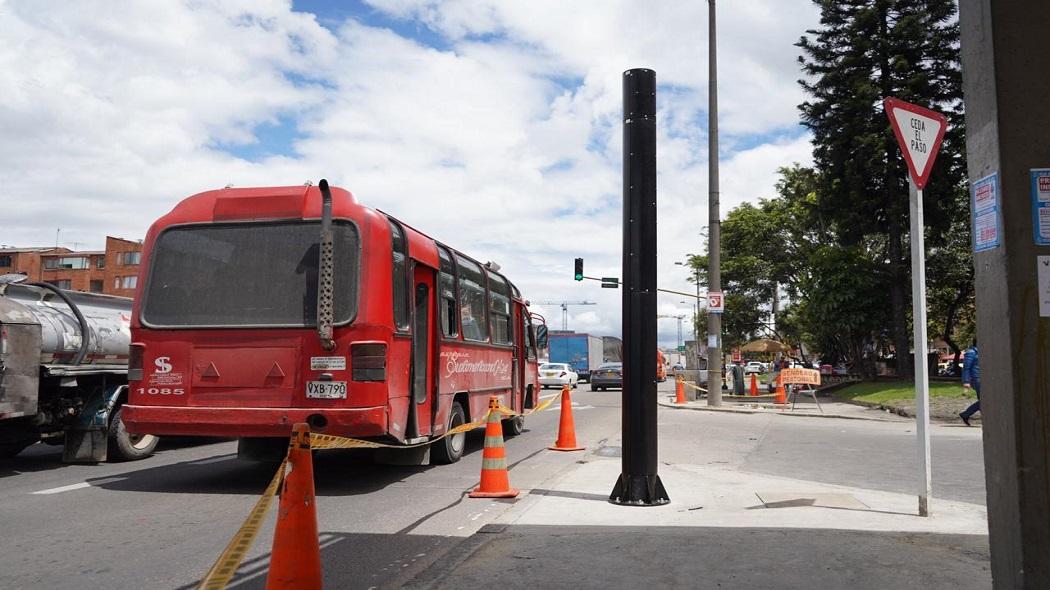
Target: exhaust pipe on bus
{"points": [[325, 268]]}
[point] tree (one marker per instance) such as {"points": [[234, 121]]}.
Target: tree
{"points": [[864, 51]]}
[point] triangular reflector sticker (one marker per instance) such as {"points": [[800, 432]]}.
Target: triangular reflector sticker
{"points": [[275, 371], [211, 371]]}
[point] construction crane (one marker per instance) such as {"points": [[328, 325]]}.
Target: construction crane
{"points": [[679, 317], [565, 309]]}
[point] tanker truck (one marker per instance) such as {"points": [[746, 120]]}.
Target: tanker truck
{"points": [[64, 372]]}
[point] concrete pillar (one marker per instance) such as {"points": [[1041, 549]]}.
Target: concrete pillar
{"points": [[1006, 80]]}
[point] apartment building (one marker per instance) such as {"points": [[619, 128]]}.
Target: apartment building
{"points": [[113, 271]]}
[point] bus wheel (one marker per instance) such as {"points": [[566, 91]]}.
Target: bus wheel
{"points": [[450, 449], [514, 426], [124, 446]]}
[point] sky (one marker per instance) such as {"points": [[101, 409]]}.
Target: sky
{"points": [[493, 126]]}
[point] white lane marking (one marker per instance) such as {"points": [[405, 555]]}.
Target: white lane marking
{"points": [[68, 488], [213, 460], [550, 396], [79, 486]]}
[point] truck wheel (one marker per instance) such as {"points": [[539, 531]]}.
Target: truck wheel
{"points": [[450, 449], [124, 446], [514, 426]]}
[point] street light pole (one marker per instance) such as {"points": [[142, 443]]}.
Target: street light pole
{"points": [[714, 252], [696, 313]]}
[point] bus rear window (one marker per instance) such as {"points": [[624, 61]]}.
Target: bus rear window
{"points": [[247, 274]]}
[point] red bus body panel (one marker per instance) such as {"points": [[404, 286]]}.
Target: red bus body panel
{"points": [[251, 382]]}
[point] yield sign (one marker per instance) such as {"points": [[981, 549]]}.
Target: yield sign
{"points": [[919, 131]]}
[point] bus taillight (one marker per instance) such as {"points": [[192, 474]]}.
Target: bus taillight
{"points": [[368, 361], [135, 362]]}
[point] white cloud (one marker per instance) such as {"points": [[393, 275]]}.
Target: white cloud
{"points": [[504, 143]]}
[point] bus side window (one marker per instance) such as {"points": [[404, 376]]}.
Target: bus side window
{"points": [[472, 307], [447, 294], [528, 335], [400, 272], [499, 309]]}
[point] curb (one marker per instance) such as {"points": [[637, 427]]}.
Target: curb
{"points": [[768, 412]]}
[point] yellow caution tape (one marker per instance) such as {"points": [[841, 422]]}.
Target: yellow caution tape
{"points": [[230, 559], [694, 386], [543, 406], [220, 574]]}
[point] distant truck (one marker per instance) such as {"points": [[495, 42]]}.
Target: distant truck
{"points": [[64, 372], [583, 351]]}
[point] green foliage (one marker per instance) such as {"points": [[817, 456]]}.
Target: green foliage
{"points": [[864, 51], [833, 243]]}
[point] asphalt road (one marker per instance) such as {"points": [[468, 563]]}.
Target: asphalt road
{"points": [[161, 522]]}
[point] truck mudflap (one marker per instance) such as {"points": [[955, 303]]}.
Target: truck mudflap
{"points": [[87, 441]]}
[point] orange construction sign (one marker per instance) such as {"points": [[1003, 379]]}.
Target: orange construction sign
{"points": [[800, 376]]}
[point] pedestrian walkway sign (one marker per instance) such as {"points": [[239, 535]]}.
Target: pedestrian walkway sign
{"points": [[919, 132]]}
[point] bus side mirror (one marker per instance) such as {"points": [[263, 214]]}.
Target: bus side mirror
{"points": [[541, 336]]}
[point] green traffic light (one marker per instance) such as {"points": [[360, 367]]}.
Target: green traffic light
{"points": [[579, 269]]}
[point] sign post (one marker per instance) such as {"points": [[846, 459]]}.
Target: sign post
{"points": [[919, 132]]}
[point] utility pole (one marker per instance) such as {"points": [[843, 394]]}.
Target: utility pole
{"points": [[714, 245], [1004, 65]]}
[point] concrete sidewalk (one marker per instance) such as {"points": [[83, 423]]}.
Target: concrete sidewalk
{"points": [[724, 528]]}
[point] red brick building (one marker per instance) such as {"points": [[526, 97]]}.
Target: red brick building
{"points": [[113, 271]]}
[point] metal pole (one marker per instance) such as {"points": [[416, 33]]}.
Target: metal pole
{"points": [[696, 311], [714, 246], [638, 484], [922, 374]]}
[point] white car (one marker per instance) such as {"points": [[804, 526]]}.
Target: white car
{"points": [[754, 367], [557, 375]]}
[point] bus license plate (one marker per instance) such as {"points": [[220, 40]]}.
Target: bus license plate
{"points": [[326, 389]]}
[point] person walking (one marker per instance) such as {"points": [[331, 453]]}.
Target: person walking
{"points": [[971, 378]]}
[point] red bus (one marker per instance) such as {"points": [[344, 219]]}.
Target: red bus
{"points": [[258, 308]]}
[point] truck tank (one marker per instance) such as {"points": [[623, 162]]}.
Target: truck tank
{"points": [[107, 317]]}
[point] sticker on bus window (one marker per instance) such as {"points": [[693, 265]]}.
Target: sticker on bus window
{"points": [[328, 363]]}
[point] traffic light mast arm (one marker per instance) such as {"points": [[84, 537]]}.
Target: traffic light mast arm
{"points": [[682, 293]]}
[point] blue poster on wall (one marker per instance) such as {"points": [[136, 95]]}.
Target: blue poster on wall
{"points": [[1041, 205], [985, 206]]}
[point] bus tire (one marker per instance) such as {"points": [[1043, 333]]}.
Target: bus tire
{"points": [[450, 449], [513, 426], [124, 446]]}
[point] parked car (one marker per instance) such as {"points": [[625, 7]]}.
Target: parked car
{"points": [[557, 375], [678, 367], [607, 375], [754, 367]]}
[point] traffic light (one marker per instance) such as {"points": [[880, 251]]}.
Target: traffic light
{"points": [[579, 269]]}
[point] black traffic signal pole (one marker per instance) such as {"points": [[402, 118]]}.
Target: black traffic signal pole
{"points": [[639, 485]]}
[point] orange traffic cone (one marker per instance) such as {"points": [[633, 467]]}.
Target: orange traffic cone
{"points": [[567, 427], [780, 397], [754, 384], [295, 559], [495, 481], [679, 391]]}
